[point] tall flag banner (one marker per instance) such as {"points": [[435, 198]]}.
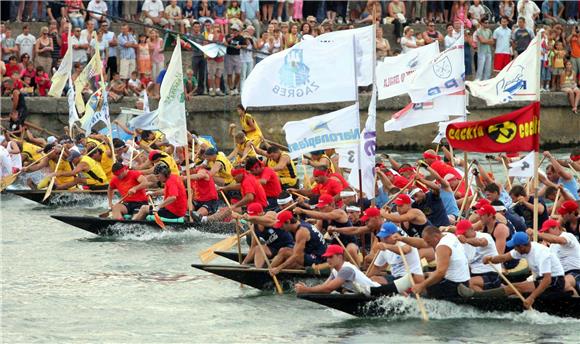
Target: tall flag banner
{"points": [[171, 110], [304, 74], [62, 75], [337, 129], [366, 153], [524, 167], [73, 116], [510, 133], [146, 107], [212, 50], [363, 45], [445, 74], [394, 73], [436, 110], [94, 114], [145, 121], [443, 128], [518, 81], [91, 70]]}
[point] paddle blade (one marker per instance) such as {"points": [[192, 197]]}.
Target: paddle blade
{"points": [[105, 214], [158, 221], [226, 244], [49, 189], [7, 181]]}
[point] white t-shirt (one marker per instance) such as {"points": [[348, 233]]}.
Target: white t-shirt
{"points": [[79, 55], [503, 39], [406, 40], [109, 36], [153, 7], [449, 40], [569, 254], [99, 7], [527, 9], [15, 157], [475, 254], [397, 264], [5, 162], [476, 12], [103, 45], [26, 43], [541, 260], [458, 270], [134, 83], [351, 275]]}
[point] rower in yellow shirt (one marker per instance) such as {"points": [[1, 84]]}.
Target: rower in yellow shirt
{"points": [[249, 126], [50, 161], [219, 166], [88, 169], [243, 150]]}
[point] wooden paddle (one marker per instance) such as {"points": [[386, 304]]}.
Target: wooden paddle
{"points": [[372, 262], [53, 179], [274, 278], [237, 228], [7, 181], [555, 202], [420, 303], [507, 281], [155, 215], [352, 260], [106, 213]]}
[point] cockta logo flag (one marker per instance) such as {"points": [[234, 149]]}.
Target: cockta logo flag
{"points": [[510, 133]]}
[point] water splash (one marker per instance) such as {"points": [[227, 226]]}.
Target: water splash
{"points": [[137, 232], [402, 308]]}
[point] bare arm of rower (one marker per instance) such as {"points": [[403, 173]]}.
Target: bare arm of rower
{"points": [[266, 220], [500, 235], [42, 164], [333, 215], [407, 217], [110, 193], [247, 199], [443, 254], [143, 184], [544, 284], [394, 248], [502, 258], [330, 285], [348, 230], [282, 163], [552, 239], [411, 241], [562, 172], [81, 167], [475, 242], [302, 236], [167, 202]]}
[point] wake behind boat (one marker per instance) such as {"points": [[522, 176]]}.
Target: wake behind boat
{"points": [[112, 227], [367, 306], [60, 197]]}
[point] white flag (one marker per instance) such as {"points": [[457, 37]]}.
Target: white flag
{"points": [[171, 108], [145, 121], [212, 50], [443, 128], [63, 74], [310, 72], [368, 146], [146, 102], [93, 115], [338, 129], [524, 167], [436, 110], [394, 73], [364, 45], [73, 116], [442, 75], [518, 81]]}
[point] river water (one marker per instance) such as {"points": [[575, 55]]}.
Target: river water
{"points": [[63, 285]]}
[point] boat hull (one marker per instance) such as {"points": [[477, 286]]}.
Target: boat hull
{"points": [[110, 227], [363, 306], [59, 197]]}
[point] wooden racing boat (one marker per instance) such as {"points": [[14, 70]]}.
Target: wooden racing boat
{"points": [[60, 197], [260, 278], [111, 227], [359, 305]]}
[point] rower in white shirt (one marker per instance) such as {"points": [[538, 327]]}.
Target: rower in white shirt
{"points": [[566, 247], [541, 261], [478, 245]]}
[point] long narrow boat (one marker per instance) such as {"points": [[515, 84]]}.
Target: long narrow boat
{"points": [[260, 278], [111, 227], [61, 197], [363, 306]]}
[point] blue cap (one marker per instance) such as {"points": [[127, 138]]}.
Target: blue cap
{"points": [[211, 151], [519, 238], [387, 229]]}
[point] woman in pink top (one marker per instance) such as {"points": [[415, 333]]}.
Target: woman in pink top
{"points": [[156, 52], [459, 12]]}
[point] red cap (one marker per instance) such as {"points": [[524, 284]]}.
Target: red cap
{"points": [[550, 223], [238, 171], [282, 218], [462, 226], [481, 202], [402, 199], [427, 155], [575, 157], [331, 250], [486, 209], [153, 153], [324, 200], [400, 181], [255, 209], [568, 207], [370, 212], [319, 173], [406, 169], [121, 170]]}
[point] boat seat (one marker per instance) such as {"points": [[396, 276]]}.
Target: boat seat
{"points": [[178, 220]]}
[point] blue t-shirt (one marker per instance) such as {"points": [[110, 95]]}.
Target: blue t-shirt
{"points": [[434, 209], [571, 186]]}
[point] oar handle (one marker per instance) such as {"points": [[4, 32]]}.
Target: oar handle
{"points": [[352, 260], [420, 304], [274, 278], [507, 281]]}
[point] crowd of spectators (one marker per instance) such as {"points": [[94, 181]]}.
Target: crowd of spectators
{"points": [[133, 57]]}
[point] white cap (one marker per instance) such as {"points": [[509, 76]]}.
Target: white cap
{"points": [[414, 191], [352, 208], [347, 193], [50, 139]]}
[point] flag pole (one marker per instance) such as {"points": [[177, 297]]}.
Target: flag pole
{"points": [[536, 168], [188, 178]]}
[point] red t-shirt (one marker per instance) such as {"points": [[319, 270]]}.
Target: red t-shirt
{"points": [[10, 69], [205, 189], [273, 188], [174, 187], [43, 84], [64, 45], [341, 179], [332, 187], [123, 185], [443, 169], [250, 185]]}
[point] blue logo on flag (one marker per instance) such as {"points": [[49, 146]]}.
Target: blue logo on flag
{"points": [[294, 73]]}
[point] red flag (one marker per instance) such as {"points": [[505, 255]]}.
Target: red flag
{"points": [[517, 131]]}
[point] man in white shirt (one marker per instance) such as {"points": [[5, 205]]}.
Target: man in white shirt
{"points": [[529, 10], [343, 275], [25, 42], [541, 261], [478, 245], [99, 10], [80, 46], [566, 247], [5, 161], [152, 13], [502, 39], [111, 39]]}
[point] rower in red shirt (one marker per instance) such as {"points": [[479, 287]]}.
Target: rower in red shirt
{"points": [[174, 203], [205, 197], [250, 188], [268, 179], [131, 185]]}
